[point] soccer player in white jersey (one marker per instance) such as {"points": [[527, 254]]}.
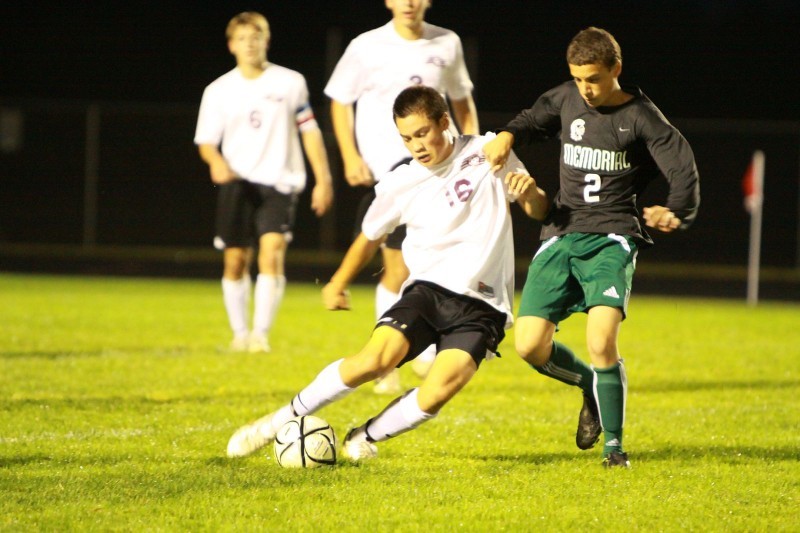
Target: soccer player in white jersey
{"points": [[255, 112], [459, 293], [374, 68]]}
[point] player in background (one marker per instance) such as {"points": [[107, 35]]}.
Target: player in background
{"points": [[614, 141], [374, 68], [247, 133], [459, 293]]}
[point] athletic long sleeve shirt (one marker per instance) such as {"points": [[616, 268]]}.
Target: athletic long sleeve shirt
{"points": [[608, 157]]}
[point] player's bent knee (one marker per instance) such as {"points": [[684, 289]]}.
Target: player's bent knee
{"points": [[363, 367], [534, 353], [603, 348], [384, 351], [534, 339], [431, 400]]}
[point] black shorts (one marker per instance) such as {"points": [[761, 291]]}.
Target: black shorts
{"points": [[394, 240], [247, 210], [429, 314]]}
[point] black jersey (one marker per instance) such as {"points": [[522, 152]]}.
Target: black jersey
{"points": [[608, 156]]}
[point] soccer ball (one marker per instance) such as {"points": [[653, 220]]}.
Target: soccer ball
{"points": [[305, 442]]}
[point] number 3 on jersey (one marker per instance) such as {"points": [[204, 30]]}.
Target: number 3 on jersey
{"points": [[592, 186]]}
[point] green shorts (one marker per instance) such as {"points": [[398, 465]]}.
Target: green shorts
{"points": [[577, 271]]}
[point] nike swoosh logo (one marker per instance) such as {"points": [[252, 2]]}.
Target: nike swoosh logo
{"points": [[624, 129]]}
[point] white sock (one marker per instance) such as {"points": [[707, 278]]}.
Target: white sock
{"points": [[428, 355], [326, 388], [281, 416], [384, 299], [236, 295], [268, 296], [402, 415]]}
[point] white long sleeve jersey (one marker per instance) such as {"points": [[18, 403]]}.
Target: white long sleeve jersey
{"points": [[458, 223]]}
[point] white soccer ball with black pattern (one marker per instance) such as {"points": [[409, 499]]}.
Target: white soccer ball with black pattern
{"points": [[305, 442]]}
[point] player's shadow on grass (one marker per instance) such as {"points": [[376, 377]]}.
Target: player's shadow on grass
{"points": [[22, 460], [100, 352], [134, 402], [51, 354], [693, 386], [732, 454], [527, 458]]}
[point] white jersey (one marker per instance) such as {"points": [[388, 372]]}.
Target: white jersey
{"points": [[377, 66], [457, 221], [257, 122]]}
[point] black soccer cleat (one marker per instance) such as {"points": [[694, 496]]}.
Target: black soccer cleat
{"points": [[616, 459], [589, 427]]}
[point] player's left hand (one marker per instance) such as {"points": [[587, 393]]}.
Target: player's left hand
{"points": [[497, 150], [661, 218], [321, 198], [335, 298], [519, 183]]}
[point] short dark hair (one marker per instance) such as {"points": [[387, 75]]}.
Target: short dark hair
{"points": [[594, 45], [419, 99]]}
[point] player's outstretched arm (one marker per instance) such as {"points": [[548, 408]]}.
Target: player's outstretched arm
{"points": [[356, 171], [497, 150], [360, 253], [661, 218], [530, 197], [322, 193]]}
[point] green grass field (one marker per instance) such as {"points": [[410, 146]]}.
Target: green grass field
{"points": [[118, 398]]}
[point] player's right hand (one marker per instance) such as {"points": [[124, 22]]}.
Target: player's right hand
{"points": [[661, 218], [357, 173], [519, 183], [497, 150], [221, 172], [335, 298]]}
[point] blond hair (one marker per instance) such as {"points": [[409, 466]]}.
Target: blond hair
{"points": [[247, 18]]}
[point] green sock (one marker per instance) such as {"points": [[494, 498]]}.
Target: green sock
{"points": [[612, 391], [567, 368]]}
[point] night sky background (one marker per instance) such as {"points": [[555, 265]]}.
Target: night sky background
{"points": [[705, 58], [724, 71]]}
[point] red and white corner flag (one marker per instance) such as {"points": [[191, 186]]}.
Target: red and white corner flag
{"points": [[753, 183], [753, 188]]}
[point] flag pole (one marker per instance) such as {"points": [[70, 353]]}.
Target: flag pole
{"points": [[755, 204]]}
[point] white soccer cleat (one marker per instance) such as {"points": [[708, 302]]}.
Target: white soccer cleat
{"points": [[258, 344], [251, 437], [240, 343], [388, 384], [356, 447]]}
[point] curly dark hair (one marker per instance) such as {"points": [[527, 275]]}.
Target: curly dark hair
{"points": [[594, 45]]}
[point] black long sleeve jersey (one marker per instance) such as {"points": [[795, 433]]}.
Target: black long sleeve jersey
{"points": [[608, 157]]}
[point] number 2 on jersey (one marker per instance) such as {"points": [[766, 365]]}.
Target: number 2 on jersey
{"points": [[592, 186]]}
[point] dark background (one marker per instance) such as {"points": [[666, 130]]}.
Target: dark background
{"points": [[724, 72], [705, 58]]}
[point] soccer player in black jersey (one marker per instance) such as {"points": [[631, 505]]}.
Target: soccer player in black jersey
{"points": [[614, 141]]}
